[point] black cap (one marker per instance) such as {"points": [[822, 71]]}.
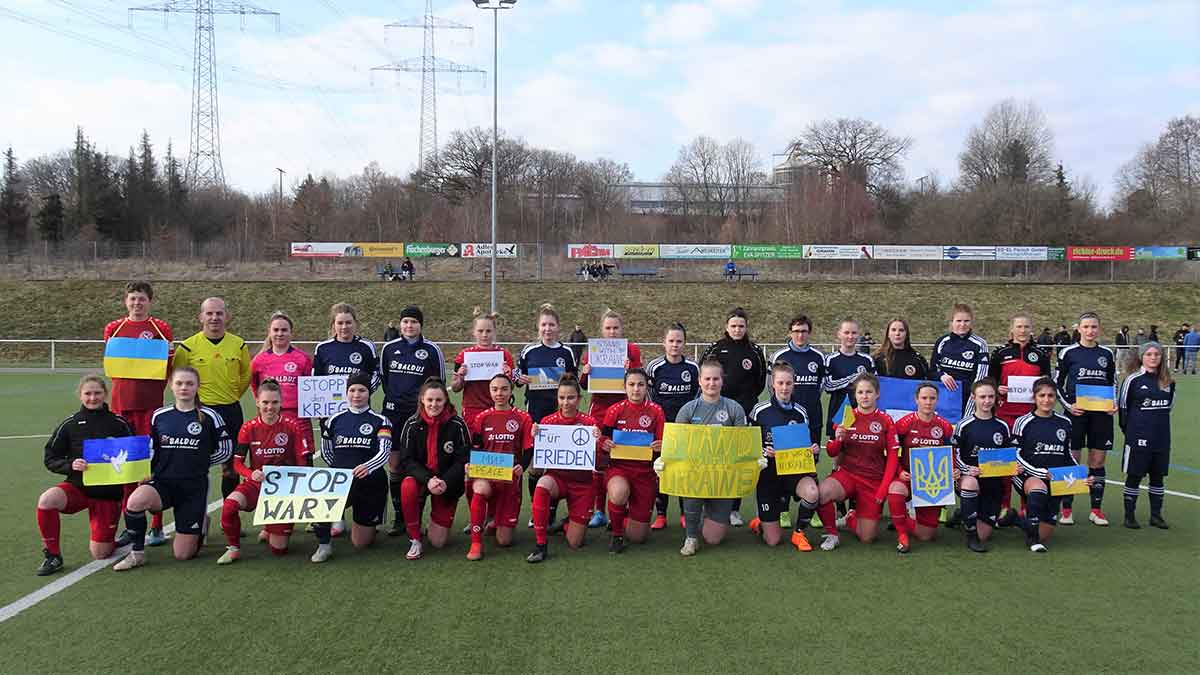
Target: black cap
{"points": [[413, 312], [359, 378]]}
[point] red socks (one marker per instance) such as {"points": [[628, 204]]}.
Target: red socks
{"points": [[541, 514], [410, 503], [898, 510], [599, 491], [828, 513], [478, 514], [156, 521], [231, 522], [616, 517], [49, 525], [1006, 495]]}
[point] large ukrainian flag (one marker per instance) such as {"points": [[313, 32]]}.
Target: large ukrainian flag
{"points": [[1068, 480], [606, 380], [116, 461], [632, 445], [998, 463], [1095, 397], [136, 359]]}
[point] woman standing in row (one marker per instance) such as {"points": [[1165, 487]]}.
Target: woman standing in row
{"points": [[1019, 358], [674, 380], [1145, 418]]}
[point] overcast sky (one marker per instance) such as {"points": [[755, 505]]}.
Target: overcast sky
{"points": [[626, 79]]}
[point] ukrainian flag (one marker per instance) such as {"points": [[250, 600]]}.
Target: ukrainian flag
{"points": [[632, 445], [116, 461], [606, 380], [1094, 397], [544, 378], [136, 359], [997, 463], [1068, 480], [845, 416]]}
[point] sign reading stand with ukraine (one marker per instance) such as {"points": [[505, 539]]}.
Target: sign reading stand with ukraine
{"points": [[1095, 397], [1068, 480], [607, 357], [711, 462], [998, 463], [136, 359], [633, 445], [116, 461], [932, 480]]}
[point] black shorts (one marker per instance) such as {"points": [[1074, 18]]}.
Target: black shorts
{"points": [[1139, 461], [1092, 430], [991, 492], [774, 493], [1053, 504], [368, 498], [188, 499]]}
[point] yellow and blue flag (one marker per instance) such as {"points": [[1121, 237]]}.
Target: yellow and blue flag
{"points": [[845, 416], [633, 445], [1068, 480], [491, 465], [793, 449], [1095, 397], [606, 380], [136, 359], [997, 463], [541, 379], [116, 461]]}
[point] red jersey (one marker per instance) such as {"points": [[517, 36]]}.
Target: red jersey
{"points": [[1016, 360], [138, 394], [600, 403], [506, 431], [914, 432], [285, 368], [580, 420], [284, 443], [871, 448], [628, 416], [475, 396]]}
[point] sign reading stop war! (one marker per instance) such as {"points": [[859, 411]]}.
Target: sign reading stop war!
{"points": [[321, 395], [710, 462], [302, 494]]}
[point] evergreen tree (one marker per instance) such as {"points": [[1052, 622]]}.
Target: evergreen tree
{"points": [[14, 209], [50, 220], [175, 194]]}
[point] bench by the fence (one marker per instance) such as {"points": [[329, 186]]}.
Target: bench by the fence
{"points": [[638, 272]]}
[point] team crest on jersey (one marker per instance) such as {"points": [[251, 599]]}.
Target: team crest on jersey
{"points": [[366, 429], [289, 367], [281, 438], [997, 438], [1103, 361], [1062, 435], [685, 376], [146, 335], [448, 447], [560, 362], [876, 427], [747, 364], [356, 358], [194, 428], [512, 426], [861, 369], [910, 370], [812, 366], [1033, 357], [421, 354], [722, 416], [645, 420], [936, 432], [968, 355]]}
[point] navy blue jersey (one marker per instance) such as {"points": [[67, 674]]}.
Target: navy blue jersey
{"points": [[673, 384], [809, 364], [840, 371], [186, 444], [1084, 365], [542, 402], [1145, 411], [772, 413], [403, 368], [352, 437], [973, 434], [347, 358], [1043, 443], [963, 357]]}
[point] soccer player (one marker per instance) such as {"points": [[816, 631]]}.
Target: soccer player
{"points": [[745, 374], [1145, 418], [500, 429], [674, 380], [476, 394], [923, 428], [187, 438], [960, 357], [1020, 357], [631, 484], [357, 438], [1043, 442], [404, 365], [842, 368], [270, 439], [896, 357], [979, 430], [1091, 363], [222, 362], [136, 400], [809, 365], [775, 492], [279, 360], [434, 448], [64, 455], [573, 486], [868, 449]]}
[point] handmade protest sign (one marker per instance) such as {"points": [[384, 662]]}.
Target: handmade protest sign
{"points": [[1020, 388], [633, 445], [710, 462], [321, 395], [932, 481], [116, 461], [558, 446], [1068, 480], [302, 494], [793, 449], [491, 465], [1094, 397], [607, 357], [541, 379], [998, 463], [483, 365]]}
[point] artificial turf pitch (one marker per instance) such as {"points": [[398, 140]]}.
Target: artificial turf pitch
{"points": [[1102, 599]]}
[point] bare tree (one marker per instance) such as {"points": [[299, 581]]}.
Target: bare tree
{"points": [[1012, 144], [858, 150], [596, 183]]}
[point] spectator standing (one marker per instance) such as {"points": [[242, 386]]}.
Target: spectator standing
{"points": [[578, 342], [1191, 345], [392, 333], [1179, 337]]}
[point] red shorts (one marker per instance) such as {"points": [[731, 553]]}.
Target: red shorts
{"points": [[505, 503], [578, 493], [103, 514], [249, 489], [441, 510], [138, 419], [862, 491], [928, 516], [643, 488]]}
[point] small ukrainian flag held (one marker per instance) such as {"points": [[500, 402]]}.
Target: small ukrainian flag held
{"points": [[633, 445], [1095, 397], [1068, 480], [998, 463], [491, 465], [845, 416], [116, 461], [136, 359]]}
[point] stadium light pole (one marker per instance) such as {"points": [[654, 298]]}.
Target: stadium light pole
{"points": [[494, 6]]}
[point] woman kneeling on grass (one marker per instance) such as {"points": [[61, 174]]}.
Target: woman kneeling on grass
{"points": [[501, 429], [921, 429], [631, 483]]}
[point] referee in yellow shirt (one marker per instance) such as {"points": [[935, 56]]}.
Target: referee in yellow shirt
{"points": [[223, 362]]}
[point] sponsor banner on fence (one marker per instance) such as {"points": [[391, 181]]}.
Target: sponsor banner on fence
{"points": [[695, 251], [589, 250], [1021, 253], [1193, 253], [1056, 253], [302, 494], [377, 250], [635, 250], [767, 251], [1160, 253], [318, 249], [427, 250], [484, 250], [908, 252], [838, 252], [969, 252], [1099, 253]]}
